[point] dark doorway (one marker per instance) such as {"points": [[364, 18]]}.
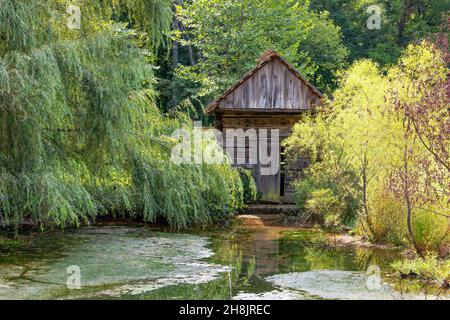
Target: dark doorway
{"points": [[282, 170]]}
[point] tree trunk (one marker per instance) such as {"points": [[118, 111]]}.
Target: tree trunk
{"points": [[365, 206], [408, 202], [190, 51], [402, 23]]}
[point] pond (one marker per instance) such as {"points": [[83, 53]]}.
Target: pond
{"points": [[138, 262]]}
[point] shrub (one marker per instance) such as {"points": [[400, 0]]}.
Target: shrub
{"points": [[388, 219], [325, 207], [388, 223], [428, 268], [250, 190], [326, 202], [303, 189], [430, 229]]}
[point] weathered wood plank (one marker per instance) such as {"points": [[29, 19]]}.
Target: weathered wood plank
{"points": [[274, 86]]}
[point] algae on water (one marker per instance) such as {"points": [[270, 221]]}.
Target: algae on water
{"points": [[112, 261]]}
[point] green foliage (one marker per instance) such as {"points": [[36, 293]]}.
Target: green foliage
{"points": [[325, 206], [218, 41], [184, 195], [232, 34], [80, 134], [388, 222], [321, 53], [46, 198], [430, 268], [356, 144], [430, 229], [323, 201], [402, 22], [250, 190], [154, 18], [303, 189]]}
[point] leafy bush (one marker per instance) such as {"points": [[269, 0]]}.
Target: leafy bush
{"points": [[430, 229], [389, 225], [250, 190], [387, 218], [303, 189], [429, 268], [321, 202], [326, 202], [374, 131], [325, 207]]}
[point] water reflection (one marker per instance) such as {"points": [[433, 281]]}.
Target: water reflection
{"points": [[241, 263], [268, 251], [283, 250]]}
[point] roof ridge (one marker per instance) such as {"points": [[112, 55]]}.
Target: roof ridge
{"points": [[267, 55]]}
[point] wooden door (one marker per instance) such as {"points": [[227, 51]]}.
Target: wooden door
{"points": [[268, 185]]}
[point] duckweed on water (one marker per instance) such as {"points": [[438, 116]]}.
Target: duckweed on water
{"points": [[137, 263], [112, 260]]}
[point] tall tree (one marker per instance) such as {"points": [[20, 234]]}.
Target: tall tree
{"points": [[231, 35], [420, 95], [69, 96], [80, 134]]}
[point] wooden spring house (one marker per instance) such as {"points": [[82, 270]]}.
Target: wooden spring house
{"points": [[273, 95]]}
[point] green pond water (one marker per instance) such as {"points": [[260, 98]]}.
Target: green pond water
{"points": [[124, 262]]}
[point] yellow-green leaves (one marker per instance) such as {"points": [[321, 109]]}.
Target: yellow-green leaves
{"points": [[364, 130]]}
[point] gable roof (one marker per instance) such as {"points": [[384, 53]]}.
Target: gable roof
{"points": [[265, 58]]}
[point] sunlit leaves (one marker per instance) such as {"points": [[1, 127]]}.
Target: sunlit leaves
{"points": [[390, 131], [232, 34]]}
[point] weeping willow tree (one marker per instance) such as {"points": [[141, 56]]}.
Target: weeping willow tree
{"points": [[79, 131]]}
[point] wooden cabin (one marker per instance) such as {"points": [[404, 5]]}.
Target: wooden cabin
{"points": [[273, 95]]}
